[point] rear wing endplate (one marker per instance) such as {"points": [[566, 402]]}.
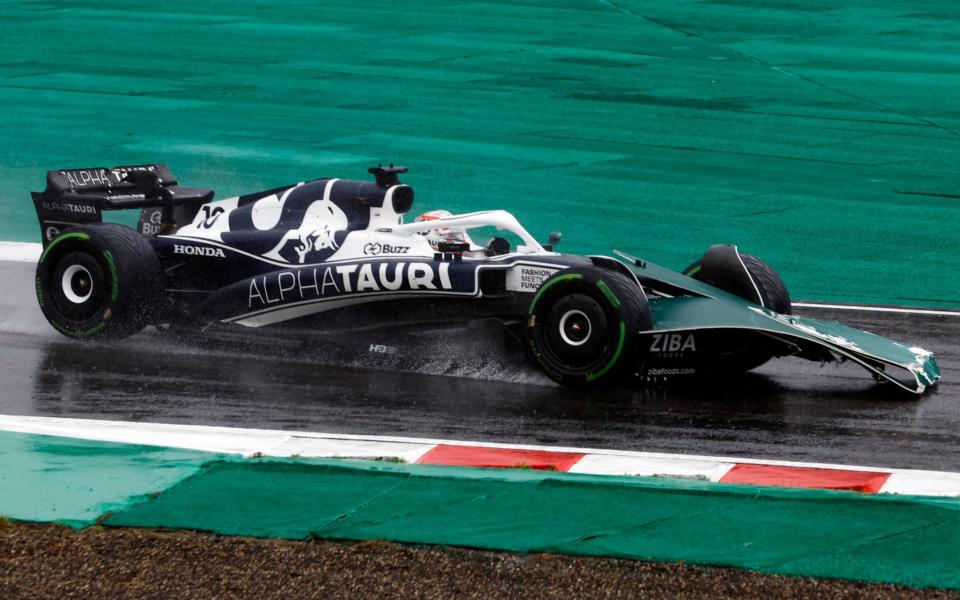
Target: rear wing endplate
{"points": [[78, 196]]}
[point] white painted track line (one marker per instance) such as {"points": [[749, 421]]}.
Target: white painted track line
{"points": [[680, 467], [197, 437], [879, 309], [20, 252], [257, 442]]}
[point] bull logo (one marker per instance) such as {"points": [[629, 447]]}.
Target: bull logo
{"points": [[315, 239]]}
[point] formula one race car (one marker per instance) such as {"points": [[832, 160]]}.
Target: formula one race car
{"points": [[336, 254]]}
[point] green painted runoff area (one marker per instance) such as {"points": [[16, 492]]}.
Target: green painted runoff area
{"points": [[75, 482], [899, 539], [793, 532], [822, 136]]}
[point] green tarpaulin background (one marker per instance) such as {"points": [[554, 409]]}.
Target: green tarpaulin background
{"points": [[822, 136]]}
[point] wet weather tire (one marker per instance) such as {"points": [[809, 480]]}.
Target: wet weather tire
{"points": [[99, 280], [750, 351], [772, 289], [582, 326]]}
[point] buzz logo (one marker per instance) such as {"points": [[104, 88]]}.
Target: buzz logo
{"points": [[376, 248], [673, 342], [198, 251], [152, 225]]}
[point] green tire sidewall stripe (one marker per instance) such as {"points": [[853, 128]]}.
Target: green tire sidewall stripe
{"points": [[693, 271], [67, 236], [613, 359], [614, 301], [114, 292], [115, 284], [80, 332], [547, 368], [40, 294], [609, 294], [544, 287]]}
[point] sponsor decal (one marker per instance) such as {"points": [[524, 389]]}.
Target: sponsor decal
{"points": [[198, 251], [670, 371], [526, 278], [51, 232], [326, 281], [210, 216], [125, 170], [382, 349], [311, 234], [673, 343], [152, 225], [71, 207], [376, 248], [87, 177]]}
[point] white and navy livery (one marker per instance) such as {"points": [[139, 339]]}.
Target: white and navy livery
{"points": [[337, 254]]}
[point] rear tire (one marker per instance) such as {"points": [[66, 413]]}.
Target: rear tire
{"points": [[749, 351], [582, 326], [101, 280]]}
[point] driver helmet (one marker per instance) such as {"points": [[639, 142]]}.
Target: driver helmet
{"points": [[442, 235]]}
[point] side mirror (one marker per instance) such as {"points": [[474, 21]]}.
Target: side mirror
{"points": [[553, 240]]}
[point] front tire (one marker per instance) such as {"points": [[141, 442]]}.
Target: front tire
{"points": [[772, 289], [99, 280], [747, 351], [582, 326]]}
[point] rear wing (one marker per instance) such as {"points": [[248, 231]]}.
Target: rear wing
{"points": [[78, 196]]}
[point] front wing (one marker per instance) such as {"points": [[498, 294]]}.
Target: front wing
{"points": [[913, 369]]}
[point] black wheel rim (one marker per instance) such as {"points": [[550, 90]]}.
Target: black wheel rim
{"points": [[574, 332]]}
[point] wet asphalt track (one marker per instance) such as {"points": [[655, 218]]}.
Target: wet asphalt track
{"points": [[461, 385]]}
